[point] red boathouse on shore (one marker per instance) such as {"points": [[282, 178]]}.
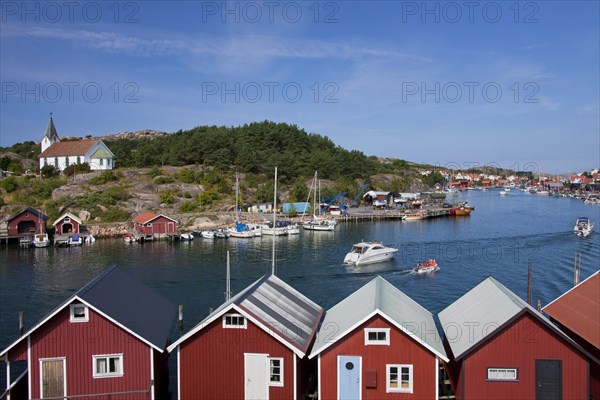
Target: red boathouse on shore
{"points": [[577, 312], [378, 343], [251, 347], [502, 348], [28, 222], [67, 224], [150, 223], [108, 339]]}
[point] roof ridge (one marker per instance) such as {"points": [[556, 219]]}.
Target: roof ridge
{"points": [[96, 280]]}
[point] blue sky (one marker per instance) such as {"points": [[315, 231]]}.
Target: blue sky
{"points": [[455, 84]]}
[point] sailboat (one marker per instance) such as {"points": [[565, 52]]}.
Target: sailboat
{"points": [[41, 238], [318, 223], [239, 230]]}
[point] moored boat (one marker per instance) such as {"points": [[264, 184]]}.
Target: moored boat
{"points": [[426, 267], [240, 231], [364, 253], [41, 240], [207, 234], [75, 240], [583, 226], [188, 236], [129, 238]]}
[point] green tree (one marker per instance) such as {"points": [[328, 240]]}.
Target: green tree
{"points": [[299, 190]]}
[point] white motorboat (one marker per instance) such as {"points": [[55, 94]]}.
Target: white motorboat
{"points": [[317, 224], [503, 192], [369, 253], [207, 234], [583, 226], [186, 236], [240, 231], [75, 240], [426, 267], [221, 234], [41, 240], [129, 238]]}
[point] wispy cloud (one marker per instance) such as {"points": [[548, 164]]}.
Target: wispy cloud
{"points": [[253, 46]]}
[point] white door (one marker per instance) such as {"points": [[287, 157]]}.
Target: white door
{"points": [[256, 377]]}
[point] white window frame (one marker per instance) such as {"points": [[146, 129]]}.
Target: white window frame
{"points": [[117, 374], [502, 370], [74, 318], [235, 326], [280, 382], [399, 389], [376, 342], [101, 161]]}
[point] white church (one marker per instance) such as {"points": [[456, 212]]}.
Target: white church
{"points": [[62, 154]]}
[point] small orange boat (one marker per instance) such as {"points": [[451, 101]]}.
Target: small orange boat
{"points": [[426, 267]]}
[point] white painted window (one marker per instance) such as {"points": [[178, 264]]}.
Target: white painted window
{"points": [[102, 161], [107, 366], [235, 321], [377, 336], [79, 313], [276, 371], [399, 378], [502, 374]]}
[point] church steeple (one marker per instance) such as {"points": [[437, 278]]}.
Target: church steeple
{"points": [[51, 136]]}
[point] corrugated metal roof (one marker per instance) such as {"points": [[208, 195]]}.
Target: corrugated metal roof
{"points": [[579, 309], [131, 303], [280, 309], [70, 148], [379, 297], [125, 301], [482, 312]]}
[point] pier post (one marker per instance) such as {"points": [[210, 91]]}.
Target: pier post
{"points": [[180, 319], [21, 324]]}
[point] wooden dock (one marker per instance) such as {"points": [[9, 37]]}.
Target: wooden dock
{"points": [[392, 215]]}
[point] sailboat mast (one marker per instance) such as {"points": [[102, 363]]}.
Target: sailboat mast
{"points": [[228, 281], [274, 221], [315, 195], [237, 189]]}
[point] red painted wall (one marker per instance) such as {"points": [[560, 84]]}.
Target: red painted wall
{"points": [[78, 342], [59, 227], [518, 346], [402, 350], [13, 226], [159, 225], [211, 364]]}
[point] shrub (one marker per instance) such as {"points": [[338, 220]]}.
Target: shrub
{"points": [[167, 198], [188, 206], [76, 169], [154, 172], [48, 171], [106, 177], [114, 214], [9, 184], [161, 180]]}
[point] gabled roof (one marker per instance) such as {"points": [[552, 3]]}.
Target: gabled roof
{"points": [[65, 215], [32, 211], [492, 306], [51, 131], [69, 148], [149, 216], [128, 303], [275, 307], [379, 297], [579, 309]]}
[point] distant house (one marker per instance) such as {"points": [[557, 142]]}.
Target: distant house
{"points": [[28, 222], [108, 338], [376, 199], [577, 312], [251, 347], [62, 154], [150, 223], [67, 224], [502, 348], [378, 343]]}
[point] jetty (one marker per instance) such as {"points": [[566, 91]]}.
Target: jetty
{"points": [[392, 215]]}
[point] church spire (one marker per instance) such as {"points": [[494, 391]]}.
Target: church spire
{"points": [[51, 131]]}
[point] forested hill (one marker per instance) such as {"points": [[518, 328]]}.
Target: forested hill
{"points": [[257, 147]]}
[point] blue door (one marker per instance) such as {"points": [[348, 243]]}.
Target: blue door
{"points": [[349, 373]]}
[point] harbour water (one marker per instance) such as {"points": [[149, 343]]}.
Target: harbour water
{"points": [[500, 237]]}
